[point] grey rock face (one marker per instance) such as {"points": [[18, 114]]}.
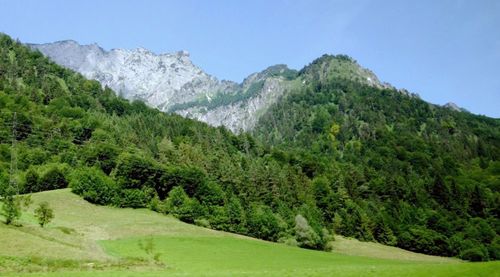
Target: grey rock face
{"points": [[168, 81], [240, 115], [454, 107], [159, 80], [172, 83]]}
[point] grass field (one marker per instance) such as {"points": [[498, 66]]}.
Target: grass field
{"points": [[89, 240]]}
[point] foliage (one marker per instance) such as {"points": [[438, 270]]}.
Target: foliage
{"points": [[182, 206], [263, 223], [94, 186], [11, 208], [370, 163], [387, 166], [305, 235], [44, 214]]}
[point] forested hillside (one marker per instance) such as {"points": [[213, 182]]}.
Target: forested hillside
{"points": [[59, 130], [389, 167], [332, 155]]}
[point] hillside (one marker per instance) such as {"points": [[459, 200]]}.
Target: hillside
{"points": [[86, 239], [61, 130], [390, 167], [337, 153]]}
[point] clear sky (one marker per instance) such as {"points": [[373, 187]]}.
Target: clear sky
{"points": [[444, 50]]}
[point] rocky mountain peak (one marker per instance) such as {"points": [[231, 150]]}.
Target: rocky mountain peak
{"points": [[454, 107], [159, 80], [172, 83], [342, 67]]}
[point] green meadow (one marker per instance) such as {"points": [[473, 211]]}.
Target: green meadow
{"points": [[89, 240]]}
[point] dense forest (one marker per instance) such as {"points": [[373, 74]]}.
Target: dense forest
{"points": [[389, 167], [333, 156], [60, 130]]}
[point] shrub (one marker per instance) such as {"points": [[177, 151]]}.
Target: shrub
{"points": [[494, 249], [189, 178], [54, 178], [202, 222], [103, 155], [44, 214], [475, 254], [180, 205], [32, 181], [305, 236], [263, 224], [219, 219], [11, 208], [210, 193], [94, 186], [134, 172], [134, 198], [235, 214], [420, 239]]}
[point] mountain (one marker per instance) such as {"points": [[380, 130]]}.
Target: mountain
{"points": [[454, 107], [337, 152], [388, 166], [61, 130], [159, 80], [172, 83]]}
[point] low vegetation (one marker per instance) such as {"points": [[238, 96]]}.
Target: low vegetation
{"points": [[44, 214], [91, 240]]}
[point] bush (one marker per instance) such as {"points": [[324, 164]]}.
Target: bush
{"points": [[476, 254], [305, 236], [134, 198], [94, 186], [290, 241], [189, 178], [4, 181], [103, 155], [134, 172], [54, 178], [44, 214], [420, 239], [180, 205], [32, 181], [210, 194], [11, 208], [219, 219], [494, 249], [263, 224], [235, 215], [202, 222]]}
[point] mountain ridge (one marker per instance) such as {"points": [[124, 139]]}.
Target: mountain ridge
{"points": [[172, 83]]}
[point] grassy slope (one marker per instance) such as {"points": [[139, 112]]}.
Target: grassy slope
{"points": [[85, 232]]}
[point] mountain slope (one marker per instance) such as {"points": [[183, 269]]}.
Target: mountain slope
{"points": [[117, 233], [169, 82], [172, 83], [159, 80], [388, 166], [68, 131], [335, 153]]}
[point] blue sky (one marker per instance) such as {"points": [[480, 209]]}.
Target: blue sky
{"points": [[446, 50]]}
